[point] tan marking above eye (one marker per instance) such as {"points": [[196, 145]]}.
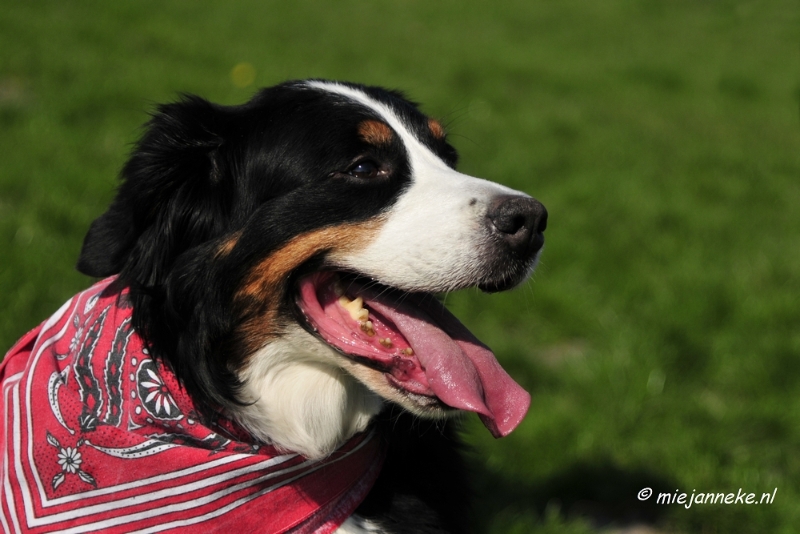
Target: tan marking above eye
{"points": [[375, 132], [436, 128]]}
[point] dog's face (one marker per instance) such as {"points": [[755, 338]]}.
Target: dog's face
{"points": [[282, 256]]}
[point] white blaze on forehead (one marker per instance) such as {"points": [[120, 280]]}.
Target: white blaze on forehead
{"points": [[421, 156], [435, 233]]}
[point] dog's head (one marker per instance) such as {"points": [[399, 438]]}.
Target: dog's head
{"points": [[282, 258]]}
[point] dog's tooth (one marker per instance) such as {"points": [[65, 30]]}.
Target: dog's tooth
{"points": [[363, 315], [408, 351], [368, 328], [353, 307], [386, 342]]}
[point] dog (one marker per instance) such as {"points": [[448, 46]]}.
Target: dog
{"points": [[270, 274]]}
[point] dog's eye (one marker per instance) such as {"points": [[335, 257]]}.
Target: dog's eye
{"points": [[364, 169]]}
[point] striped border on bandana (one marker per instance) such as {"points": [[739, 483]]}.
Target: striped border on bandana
{"points": [[91, 442]]}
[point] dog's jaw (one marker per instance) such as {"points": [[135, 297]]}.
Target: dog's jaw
{"points": [[299, 397], [303, 396]]}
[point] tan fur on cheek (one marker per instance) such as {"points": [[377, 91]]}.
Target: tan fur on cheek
{"points": [[436, 128], [375, 132], [264, 287]]}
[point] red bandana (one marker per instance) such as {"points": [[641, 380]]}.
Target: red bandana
{"points": [[96, 435]]}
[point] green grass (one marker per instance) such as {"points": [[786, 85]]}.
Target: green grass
{"points": [[661, 336]]}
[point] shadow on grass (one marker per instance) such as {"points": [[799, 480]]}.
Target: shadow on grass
{"points": [[602, 494]]}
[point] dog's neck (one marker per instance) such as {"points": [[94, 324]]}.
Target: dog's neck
{"points": [[300, 400]]}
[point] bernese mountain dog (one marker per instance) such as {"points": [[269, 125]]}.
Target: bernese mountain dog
{"points": [[283, 259]]}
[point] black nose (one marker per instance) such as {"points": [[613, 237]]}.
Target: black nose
{"points": [[520, 222]]}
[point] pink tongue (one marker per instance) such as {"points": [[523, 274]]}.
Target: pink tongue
{"points": [[461, 371]]}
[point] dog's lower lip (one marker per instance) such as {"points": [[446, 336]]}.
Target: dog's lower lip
{"points": [[421, 399], [496, 287], [387, 372], [343, 280]]}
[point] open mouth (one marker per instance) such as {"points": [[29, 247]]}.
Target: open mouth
{"points": [[418, 345]]}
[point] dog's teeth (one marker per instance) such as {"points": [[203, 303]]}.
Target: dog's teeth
{"points": [[408, 351], [386, 342], [355, 308], [358, 313], [368, 328]]}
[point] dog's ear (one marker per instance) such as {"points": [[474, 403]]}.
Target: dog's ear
{"points": [[107, 243], [171, 198]]}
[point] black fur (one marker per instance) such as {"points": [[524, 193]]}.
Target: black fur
{"points": [[271, 169], [261, 173], [423, 487]]}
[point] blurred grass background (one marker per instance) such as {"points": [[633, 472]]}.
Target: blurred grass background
{"points": [[660, 336]]}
